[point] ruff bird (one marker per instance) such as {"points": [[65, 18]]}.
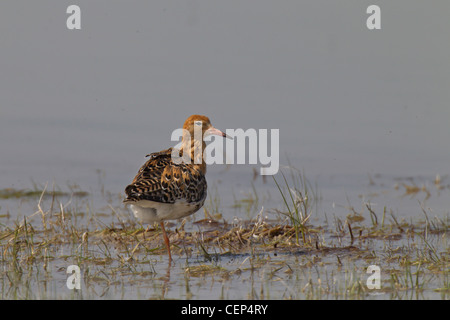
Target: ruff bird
{"points": [[171, 184]]}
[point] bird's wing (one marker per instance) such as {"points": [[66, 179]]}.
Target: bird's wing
{"points": [[162, 180]]}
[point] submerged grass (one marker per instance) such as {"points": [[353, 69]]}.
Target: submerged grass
{"points": [[255, 258], [12, 193]]}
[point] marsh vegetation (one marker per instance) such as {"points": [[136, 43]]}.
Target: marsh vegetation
{"points": [[288, 251]]}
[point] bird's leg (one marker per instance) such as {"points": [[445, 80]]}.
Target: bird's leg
{"points": [[166, 239]]}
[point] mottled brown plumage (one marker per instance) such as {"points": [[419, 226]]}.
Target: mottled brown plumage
{"points": [[165, 188], [162, 180]]}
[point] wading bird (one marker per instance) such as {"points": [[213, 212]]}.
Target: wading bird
{"points": [[171, 184]]}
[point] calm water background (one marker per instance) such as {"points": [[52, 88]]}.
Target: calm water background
{"points": [[79, 106]]}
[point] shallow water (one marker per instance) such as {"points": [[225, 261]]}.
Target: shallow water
{"points": [[360, 113]]}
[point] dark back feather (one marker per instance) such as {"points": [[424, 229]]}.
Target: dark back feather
{"points": [[162, 180]]}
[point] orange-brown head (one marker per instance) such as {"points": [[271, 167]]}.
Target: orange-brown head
{"points": [[198, 121], [196, 127]]}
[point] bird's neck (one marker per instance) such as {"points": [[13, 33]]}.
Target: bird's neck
{"points": [[195, 148]]}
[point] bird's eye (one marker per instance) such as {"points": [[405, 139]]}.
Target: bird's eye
{"points": [[198, 123]]}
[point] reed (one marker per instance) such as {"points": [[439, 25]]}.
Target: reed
{"points": [[296, 199]]}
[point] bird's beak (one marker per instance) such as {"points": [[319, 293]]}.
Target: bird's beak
{"points": [[216, 132]]}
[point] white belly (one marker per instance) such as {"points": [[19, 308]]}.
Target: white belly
{"points": [[151, 211]]}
